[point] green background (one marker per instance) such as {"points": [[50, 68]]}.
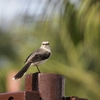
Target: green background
{"points": [[73, 30]]}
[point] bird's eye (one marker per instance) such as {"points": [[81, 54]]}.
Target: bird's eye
{"points": [[46, 44]]}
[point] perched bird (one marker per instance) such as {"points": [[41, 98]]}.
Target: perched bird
{"points": [[34, 59]]}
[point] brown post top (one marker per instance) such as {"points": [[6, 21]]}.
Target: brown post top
{"points": [[41, 86], [50, 86]]}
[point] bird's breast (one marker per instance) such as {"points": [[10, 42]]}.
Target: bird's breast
{"points": [[38, 63]]}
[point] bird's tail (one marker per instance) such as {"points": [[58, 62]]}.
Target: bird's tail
{"points": [[21, 72]]}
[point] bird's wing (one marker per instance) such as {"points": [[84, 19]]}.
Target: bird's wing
{"points": [[38, 55], [41, 56]]}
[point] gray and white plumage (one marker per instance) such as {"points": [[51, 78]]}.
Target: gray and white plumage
{"points": [[35, 59]]}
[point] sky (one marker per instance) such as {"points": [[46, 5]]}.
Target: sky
{"points": [[8, 8]]}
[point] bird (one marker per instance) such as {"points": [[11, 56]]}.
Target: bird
{"points": [[36, 58]]}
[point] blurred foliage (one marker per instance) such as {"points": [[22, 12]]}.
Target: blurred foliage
{"points": [[73, 30]]}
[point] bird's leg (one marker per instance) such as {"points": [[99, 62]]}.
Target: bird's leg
{"points": [[38, 69]]}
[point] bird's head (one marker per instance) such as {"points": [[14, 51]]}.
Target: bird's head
{"points": [[45, 45]]}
